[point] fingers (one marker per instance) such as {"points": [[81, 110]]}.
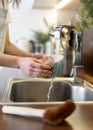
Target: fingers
{"points": [[35, 68], [40, 56], [40, 64], [37, 72]]}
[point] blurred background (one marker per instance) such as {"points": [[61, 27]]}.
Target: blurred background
{"points": [[31, 23]]}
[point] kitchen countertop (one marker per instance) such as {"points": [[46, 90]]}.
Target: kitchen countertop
{"points": [[81, 119], [88, 78]]}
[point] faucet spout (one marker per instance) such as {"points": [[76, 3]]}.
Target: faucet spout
{"points": [[64, 38], [69, 44], [78, 69]]}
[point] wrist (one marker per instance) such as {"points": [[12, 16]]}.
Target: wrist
{"points": [[30, 55]]}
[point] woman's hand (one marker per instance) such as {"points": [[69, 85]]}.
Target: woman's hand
{"points": [[44, 58], [40, 56], [35, 67]]}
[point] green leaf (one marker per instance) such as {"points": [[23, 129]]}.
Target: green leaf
{"points": [[43, 37], [86, 12]]}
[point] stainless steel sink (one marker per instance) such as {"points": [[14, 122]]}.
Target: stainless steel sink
{"points": [[35, 90]]}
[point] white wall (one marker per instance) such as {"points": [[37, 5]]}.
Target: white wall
{"points": [[65, 16], [24, 19]]}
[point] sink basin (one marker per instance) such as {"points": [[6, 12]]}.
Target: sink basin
{"points": [[37, 91]]}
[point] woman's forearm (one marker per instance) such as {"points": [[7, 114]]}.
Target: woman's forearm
{"points": [[31, 66], [8, 60], [13, 50]]}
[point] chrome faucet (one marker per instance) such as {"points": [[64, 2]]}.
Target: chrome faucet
{"points": [[69, 44], [78, 69], [64, 38], [78, 41]]}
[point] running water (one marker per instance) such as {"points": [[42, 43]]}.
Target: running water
{"points": [[51, 63], [50, 89]]}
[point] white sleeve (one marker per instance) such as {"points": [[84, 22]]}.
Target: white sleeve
{"points": [[8, 17], [6, 7]]}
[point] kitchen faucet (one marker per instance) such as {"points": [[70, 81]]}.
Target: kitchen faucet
{"points": [[78, 69], [69, 44]]}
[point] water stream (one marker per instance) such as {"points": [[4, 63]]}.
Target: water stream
{"points": [[50, 89]]}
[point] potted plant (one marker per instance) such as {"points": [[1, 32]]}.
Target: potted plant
{"points": [[42, 37], [85, 14]]}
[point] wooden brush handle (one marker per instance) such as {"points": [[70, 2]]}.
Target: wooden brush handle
{"points": [[23, 111]]}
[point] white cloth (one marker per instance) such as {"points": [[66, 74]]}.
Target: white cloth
{"points": [[5, 4], [3, 29], [3, 25]]}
